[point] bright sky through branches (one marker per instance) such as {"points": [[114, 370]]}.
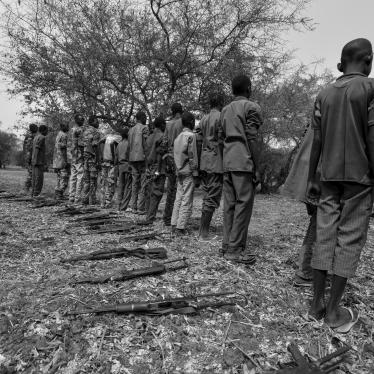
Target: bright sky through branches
{"points": [[337, 22]]}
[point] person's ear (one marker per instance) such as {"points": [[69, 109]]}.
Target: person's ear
{"points": [[340, 67]]}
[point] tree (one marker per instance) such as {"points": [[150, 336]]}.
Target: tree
{"points": [[8, 147]]}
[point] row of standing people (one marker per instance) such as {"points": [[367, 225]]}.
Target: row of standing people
{"points": [[221, 156]]}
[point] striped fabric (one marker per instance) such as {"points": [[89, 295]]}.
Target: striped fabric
{"points": [[342, 224]]}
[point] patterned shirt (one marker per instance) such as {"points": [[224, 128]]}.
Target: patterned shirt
{"points": [[77, 144], [91, 139], [60, 151], [27, 146]]}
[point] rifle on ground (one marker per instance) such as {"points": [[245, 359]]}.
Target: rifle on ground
{"points": [[124, 275], [8, 195], [180, 305], [112, 229], [105, 222], [73, 211], [94, 216], [45, 203], [321, 366], [106, 254], [137, 237]]}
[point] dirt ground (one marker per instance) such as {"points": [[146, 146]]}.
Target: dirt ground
{"points": [[36, 291]]}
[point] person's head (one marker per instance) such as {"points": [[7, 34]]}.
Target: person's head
{"points": [[79, 119], [188, 120], [141, 117], [93, 121], [33, 128], [357, 56], [43, 129], [176, 108], [216, 100], [159, 123], [124, 132], [241, 86], [64, 127]]}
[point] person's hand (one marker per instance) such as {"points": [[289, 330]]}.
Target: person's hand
{"points": [[313, 192], [196, 181]]}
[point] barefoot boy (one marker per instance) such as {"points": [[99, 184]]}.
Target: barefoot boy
{"points": [[343, 125]]}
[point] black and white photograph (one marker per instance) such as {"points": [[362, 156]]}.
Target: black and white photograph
{"points": [[186, 187]]}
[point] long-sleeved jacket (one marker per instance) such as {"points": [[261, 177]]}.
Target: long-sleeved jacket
{"points": [[173, 128], [121, 155], [153, 143], [77, 144], [91, 139], [60, 151], [137, 149], [211, 153], [239, 124], [27, 146], [185, 153], [38, 150]]}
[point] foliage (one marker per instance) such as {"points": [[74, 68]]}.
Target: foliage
{"points": [[8, 146]]}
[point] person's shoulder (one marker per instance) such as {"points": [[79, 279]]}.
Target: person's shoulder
{"points": [[252, 105]]}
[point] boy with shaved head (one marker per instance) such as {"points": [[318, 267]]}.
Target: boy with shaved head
{"points": [[343, 124]]}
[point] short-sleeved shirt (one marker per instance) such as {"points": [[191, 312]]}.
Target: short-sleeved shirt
{"points": [[343, 112], [239, 122], [60, 151], [137, 142], [211, 152], [38, 150], [109, 141]]}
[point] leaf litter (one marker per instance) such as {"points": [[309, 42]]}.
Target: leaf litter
{"points": [[36, 292]]}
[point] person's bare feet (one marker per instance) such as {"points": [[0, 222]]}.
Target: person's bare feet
{"points": [[317, 309]]}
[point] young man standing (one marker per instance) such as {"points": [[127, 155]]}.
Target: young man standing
{"points": [[137, 151], [343, 124], [155, 179], [211, 163], [187, 170], [91, 138], [77, 145], [27, 151], [124, 174], [173, 128], [60, 161], [38, 161], [240, 121]]}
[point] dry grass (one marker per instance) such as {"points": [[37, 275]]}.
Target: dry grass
{"points": [[36, 291]]}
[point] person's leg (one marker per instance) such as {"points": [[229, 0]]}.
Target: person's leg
{"points": [[28, 181], [33, 181], [328, 213], [305, 271], [109, 186], [356, 205], [177, 202], [244, 192], [211, 202], [143, 186], [93, 183], [80, 172], [39, 179], [73, 182], [84, 198], [121, 187], [229, 200], [158, 187], [58, 183], [65, 180], [186, 203], [170, 198], [103, 184], [135, 186], [127, 192]]}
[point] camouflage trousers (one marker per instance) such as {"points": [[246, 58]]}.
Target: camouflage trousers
{"points": [[89, 182], [76, 181], [137, 202], [28, 181], [211, 185], [37, 179], [107, 183], [62, 181]]}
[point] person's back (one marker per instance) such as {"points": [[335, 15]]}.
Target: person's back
{"points": [[234, 117], [152, 143], [173, 128], [59, 154], [38, 158], [343, 108], [183, 144], [137, 150]]}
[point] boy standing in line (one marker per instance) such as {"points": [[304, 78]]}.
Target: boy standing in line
{"points": [[38, 160], [124, 174], [60, 161], [173, 128], [211, 163], [27, 151], [343, 124], [76, 176], [240, 121], [91, 139], [137, 151], [187, 170]]}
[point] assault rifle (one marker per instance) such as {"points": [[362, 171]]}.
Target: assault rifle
{"points": [[44, 203], [113, 229], [124, 275], [105, 254], [180, 305], [321, 366], [74, 211]]}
